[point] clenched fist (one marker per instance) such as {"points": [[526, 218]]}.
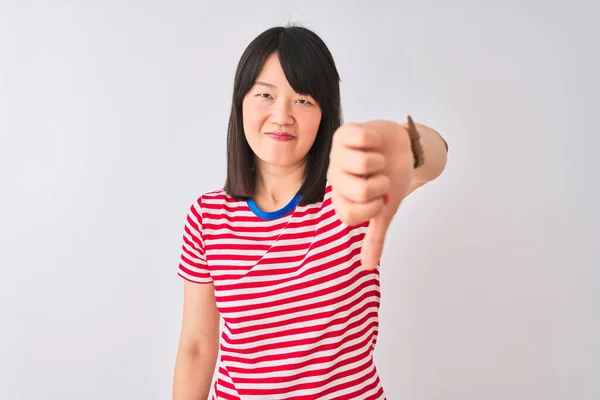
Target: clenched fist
{"points": [[371, 167]]}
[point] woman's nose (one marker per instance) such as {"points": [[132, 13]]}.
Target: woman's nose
{"points": [[281, 114]]}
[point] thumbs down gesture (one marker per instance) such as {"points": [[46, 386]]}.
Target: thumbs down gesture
{"points": [[370, 170]]}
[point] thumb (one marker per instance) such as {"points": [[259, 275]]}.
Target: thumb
{"points": [[374, 239]]}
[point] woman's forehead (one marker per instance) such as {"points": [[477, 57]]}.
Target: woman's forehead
{"points": [[272, 73]]}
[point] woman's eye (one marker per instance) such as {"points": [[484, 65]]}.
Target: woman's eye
{"points": [[264, 95], [303, 101]]}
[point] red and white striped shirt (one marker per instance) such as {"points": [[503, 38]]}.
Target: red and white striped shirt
{"points": [[300, 313]]}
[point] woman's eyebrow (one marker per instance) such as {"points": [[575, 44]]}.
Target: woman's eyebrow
{"points": [[261, 83]]}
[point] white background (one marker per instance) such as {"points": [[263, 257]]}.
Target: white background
{"points": [[113, 120]]}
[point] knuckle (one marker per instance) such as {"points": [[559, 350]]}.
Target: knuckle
{"points": [[363, 164], [362, 138], [363, 193], [347, 130], [356, 132], [380, 160]]}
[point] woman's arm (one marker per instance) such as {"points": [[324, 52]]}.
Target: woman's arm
{"points": [[198, 344]]}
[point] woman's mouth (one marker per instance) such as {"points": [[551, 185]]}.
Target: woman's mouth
{"points": [[280, 136]]}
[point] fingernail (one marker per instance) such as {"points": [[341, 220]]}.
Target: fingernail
{"points": [[386, 199]]}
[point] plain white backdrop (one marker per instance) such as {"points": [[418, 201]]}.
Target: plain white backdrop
{"points": [[113, 119]]}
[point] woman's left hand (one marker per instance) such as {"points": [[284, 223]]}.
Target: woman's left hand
{"points": [[370, 171]]}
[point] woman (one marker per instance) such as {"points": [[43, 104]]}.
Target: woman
{"points": [[287, 252]]}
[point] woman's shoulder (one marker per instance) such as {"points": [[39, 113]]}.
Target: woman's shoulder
{"points": [[215, 198]]}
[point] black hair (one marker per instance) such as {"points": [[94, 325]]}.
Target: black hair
{"points": [[310, 70]]}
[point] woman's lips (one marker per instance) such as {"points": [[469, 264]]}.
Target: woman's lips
{"points": [[280, 136]]}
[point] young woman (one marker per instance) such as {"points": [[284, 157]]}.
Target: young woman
{"points": [[287, 253]]}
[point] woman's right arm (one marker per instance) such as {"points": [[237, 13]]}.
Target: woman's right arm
{"points": [[198, 343]]}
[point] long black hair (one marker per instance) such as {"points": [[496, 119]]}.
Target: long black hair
{"points": [[310, 70]]}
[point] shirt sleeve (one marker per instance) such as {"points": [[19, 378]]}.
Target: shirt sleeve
{"points": [[192, 264]]}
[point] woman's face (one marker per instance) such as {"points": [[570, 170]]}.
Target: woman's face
{"points": [[280, 125]]}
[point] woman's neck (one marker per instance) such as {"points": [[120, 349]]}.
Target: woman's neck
{"points": [[276, 186]]}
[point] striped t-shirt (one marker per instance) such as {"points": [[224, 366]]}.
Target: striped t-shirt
{"points": [[300, 313]]}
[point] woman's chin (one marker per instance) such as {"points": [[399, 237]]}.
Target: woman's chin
{"points": [[281, 162]]}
